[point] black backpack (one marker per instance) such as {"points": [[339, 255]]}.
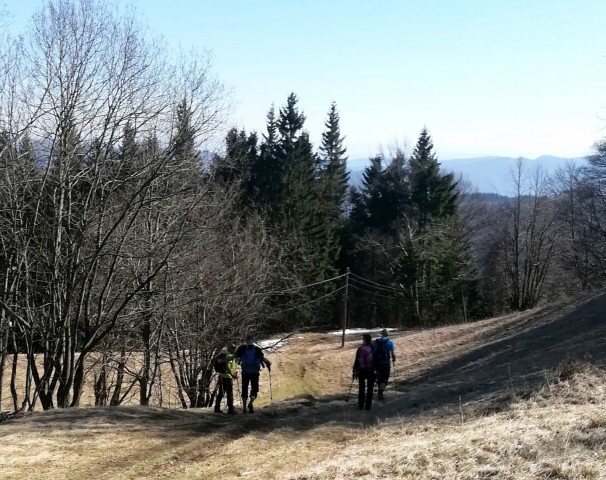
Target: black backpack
{"points": [[220, 364], [381, 353]]}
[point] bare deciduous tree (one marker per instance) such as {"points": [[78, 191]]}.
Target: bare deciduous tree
{"points": [[84, 74], [528, 242]]}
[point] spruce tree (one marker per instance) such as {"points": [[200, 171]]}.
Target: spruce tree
{"points": [[333, 174], [433, 258], [433, 195], [239, 163], [268, 172]]}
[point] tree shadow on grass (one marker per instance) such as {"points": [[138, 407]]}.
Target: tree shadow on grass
{"points": [[516, 363]]}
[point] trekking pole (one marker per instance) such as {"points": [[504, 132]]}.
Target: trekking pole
{"points": [[213, 394], [271, 395], [350, 387], [394, 379], [238, 388]]}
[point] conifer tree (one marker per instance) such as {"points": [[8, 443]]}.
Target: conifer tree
{"points": [[433, 195], [433, 256], [268, 173], [333, 173], [240, 163]]}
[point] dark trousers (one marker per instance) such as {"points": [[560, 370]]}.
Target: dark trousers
{"points": [[383, 370], [226, 388], [253, 379], [366, 385]]}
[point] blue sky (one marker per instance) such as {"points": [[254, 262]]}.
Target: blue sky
{"points": [[487, 77]]}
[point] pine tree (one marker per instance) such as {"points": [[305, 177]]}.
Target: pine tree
{"points": [[184, 152], [433, 195], [267, 175], [333, 174], [239, 163], [433, 258], [383, 200], [366, 198]]}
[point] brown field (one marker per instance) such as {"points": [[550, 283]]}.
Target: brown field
{"points": [[498, 399]]}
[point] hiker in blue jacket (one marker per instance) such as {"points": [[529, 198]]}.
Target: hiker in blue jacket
{"points": [[363, 370], [251, 358], [383, 353]]}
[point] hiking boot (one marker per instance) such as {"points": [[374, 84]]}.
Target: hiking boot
{"points": [[244, 408], [231, 411], [380, 395], [218, 410], [250, 408]]}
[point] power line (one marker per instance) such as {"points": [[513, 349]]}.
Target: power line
{"points": [[374, 293], [371, 284], [307, 303], [295, 289], [400, 297]]}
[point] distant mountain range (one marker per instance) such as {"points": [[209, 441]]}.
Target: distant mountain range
{"points": [[491, 174]]}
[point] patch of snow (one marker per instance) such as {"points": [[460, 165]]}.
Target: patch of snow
{"points": [[351, 331], [273, 344]]}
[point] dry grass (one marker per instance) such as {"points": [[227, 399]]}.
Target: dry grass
{"points": [[310, 433]]}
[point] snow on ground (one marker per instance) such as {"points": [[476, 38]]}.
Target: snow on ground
{"points": [[272, 344], [351, 331], [275, 344]]}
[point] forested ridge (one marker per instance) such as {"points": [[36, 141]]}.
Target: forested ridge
{"points": [[126, 247]]}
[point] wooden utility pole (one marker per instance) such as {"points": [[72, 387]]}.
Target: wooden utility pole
{"points": [[345, 301], [463, 300]]}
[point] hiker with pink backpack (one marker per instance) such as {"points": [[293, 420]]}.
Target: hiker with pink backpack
{"points": [[364, 371]]}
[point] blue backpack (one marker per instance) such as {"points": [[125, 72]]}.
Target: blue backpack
{"points": [[251, 360]]}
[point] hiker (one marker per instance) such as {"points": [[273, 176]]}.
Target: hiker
{"points": [[226, 367], [251, 358], [383, 349], [363, 370]]}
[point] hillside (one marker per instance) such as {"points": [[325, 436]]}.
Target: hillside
{"points": [[490, 174], [493, 399]]}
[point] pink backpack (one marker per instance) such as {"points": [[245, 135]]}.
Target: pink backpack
{"points": [[365, 357]]}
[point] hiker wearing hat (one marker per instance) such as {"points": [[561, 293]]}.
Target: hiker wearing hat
{"points": [[363, 370], [251, 358], [225, 366], [383, 352]]}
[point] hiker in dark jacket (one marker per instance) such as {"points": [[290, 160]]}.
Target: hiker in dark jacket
{"points": [[383, 352], [363, 370], [251, 358], [225, 366]]}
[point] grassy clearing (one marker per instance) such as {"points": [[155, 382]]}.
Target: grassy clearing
{"points": [[310, 433]]}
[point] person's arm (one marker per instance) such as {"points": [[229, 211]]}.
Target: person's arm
{"points": [[264, 361], [267, 363], [393, 352], [356, 365], [238, 354], [232, 366]]}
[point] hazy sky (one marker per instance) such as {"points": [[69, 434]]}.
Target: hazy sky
{"points": [[487, 77]]}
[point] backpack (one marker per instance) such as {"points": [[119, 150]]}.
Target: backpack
{"points": [[220, 364], [381, 353], [251, 360], [365, 357]]}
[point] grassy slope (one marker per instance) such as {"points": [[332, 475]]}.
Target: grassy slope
{"points": [[310, 432]]}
